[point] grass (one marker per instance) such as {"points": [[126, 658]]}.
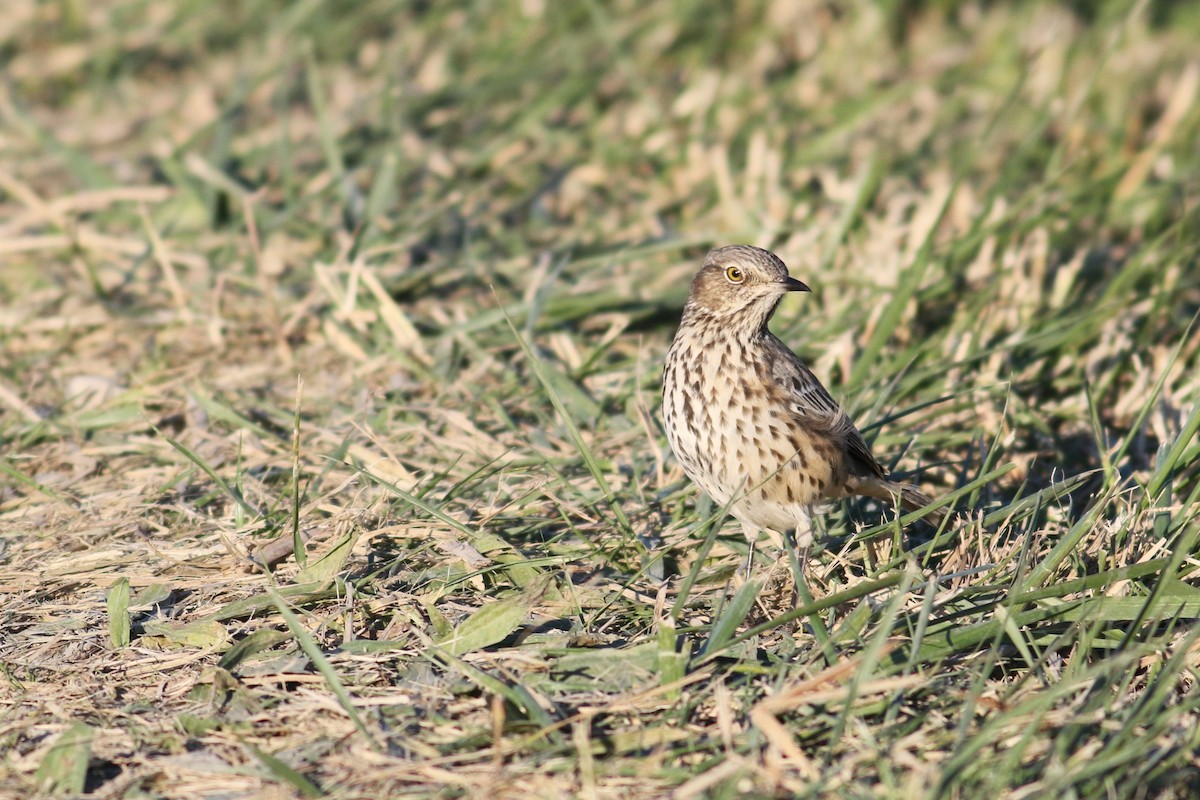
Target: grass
{"points": [[468, 230]]}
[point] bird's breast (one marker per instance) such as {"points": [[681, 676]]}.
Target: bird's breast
{"points": [[734, 431], [714, 409]]}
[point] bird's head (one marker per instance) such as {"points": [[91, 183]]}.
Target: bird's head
{"points": [[741, 286]]}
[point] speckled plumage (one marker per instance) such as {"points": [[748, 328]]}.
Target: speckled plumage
{"points": [[748, 421]]}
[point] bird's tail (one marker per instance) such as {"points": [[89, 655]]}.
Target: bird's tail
{"points": [[910, 497]]}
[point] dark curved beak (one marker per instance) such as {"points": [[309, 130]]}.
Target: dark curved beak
{"points": [[793, 285]]}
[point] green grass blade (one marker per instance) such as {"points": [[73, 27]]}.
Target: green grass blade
{"points": [[323, 666], [576, 436], [732, 616]]}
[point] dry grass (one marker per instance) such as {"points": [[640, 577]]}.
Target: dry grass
{"points": [[468, 233]]}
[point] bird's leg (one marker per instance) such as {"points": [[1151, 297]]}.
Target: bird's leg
{"points": [[747, 568], [799, 544], [815, 529], [803, 554]]}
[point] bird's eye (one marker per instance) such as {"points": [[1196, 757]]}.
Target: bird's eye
{"points": [[734, 275]]}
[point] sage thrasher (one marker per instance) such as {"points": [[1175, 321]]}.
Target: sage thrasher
{"points": [[748, 421]]}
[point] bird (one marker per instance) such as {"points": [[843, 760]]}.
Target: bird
{"points": [[748, 421]]}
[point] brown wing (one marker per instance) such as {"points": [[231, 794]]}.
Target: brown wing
{"points": [[813, 403]]}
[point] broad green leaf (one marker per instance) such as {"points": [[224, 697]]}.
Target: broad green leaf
{"points": [[490, 624], [64, 767], [254, 643], [324, 569], [195, 726], [442, 629], [118, 613], [151, 595], [201, 633], [494, 622]]}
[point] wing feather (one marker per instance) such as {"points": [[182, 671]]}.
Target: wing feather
{"points": [[812, 403]]}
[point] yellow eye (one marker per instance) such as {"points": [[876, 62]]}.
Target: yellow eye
{"points": [[734, 275]]}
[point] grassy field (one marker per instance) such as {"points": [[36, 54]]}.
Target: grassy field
{"points": [[394, 281]]}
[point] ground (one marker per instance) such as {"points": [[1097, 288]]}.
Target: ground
{"points": [[395, 280]]}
